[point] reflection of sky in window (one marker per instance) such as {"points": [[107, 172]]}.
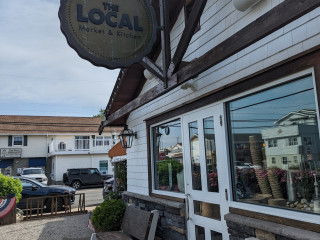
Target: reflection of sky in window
{"points": [[174, 137], [261, 110]]}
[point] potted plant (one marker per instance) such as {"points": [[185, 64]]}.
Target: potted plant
{"points": [[10, 193], [305, 184]]}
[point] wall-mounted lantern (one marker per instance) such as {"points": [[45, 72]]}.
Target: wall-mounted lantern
{"points": [[126, 137]]}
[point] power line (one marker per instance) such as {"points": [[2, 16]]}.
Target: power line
{"points": [[270, 100]]}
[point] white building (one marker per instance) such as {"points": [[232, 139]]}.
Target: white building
{"points": [[234, 68], [55, 144], [293, 140]]}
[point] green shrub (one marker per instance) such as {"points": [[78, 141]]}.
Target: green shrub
{"points": [[163, 169], [113, 195], [9, 185], [108, 216]]}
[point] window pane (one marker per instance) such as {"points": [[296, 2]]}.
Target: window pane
{"points": [[209, 210], [210, 150], [200, 233], [195, 156], [216, 235], [17, 141], [272, 163], [82, 142], [167, 157]]}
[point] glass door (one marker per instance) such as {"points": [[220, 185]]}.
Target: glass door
{"points": [[206, 173]]}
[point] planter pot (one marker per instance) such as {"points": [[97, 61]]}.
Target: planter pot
{"points": [[8, 210]]}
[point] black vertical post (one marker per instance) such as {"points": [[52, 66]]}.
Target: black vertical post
{"points": [[165, 38]]}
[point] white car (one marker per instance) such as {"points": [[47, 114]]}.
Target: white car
{"points": [[36, 174]]}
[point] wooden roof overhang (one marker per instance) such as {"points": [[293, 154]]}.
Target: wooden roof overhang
{"points": [[271, 21], [131, 80]]}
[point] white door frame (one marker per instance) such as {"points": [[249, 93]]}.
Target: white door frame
{"points": [[220, 198]]}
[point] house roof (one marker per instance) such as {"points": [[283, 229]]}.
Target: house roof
{"points": [[117, 150], [14, 124], [302, 113]]}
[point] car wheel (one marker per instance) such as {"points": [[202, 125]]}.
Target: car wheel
{"points": [[52, 201], [76, 184]]}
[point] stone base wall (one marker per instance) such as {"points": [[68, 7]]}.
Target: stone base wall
{"points": [[172, 221], [246, 228]]}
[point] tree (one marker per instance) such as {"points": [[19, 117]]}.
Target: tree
{"points": [[100, 114]]}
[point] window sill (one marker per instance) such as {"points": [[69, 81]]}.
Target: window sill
{"points": [[159, 200]]}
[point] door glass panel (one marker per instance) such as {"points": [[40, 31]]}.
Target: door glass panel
{"points": [[210, 150], [195, 156], [216, 235], [205, 209], [200, 233]]}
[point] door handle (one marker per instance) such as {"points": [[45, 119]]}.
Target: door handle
{"points": [[187, 207]]}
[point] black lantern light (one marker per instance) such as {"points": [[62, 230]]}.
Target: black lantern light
{"points": [[126, 137]]}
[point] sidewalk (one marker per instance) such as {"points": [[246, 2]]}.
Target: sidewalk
{"points": [[61, 228]]}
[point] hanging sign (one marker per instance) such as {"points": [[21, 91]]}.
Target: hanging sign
{"points": [[107, 33]]}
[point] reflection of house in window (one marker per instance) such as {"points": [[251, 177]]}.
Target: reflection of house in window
{"points": [[294, 133], [293, 141], [272, 143], [284, 160]]}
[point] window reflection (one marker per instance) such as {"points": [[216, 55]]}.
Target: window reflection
{"points": [[275, 147], [195, 156], [168, 157], [210, 150]]}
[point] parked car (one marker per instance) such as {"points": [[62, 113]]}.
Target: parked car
{"points": [[36, 174], [32, 188], [107, 187], [77, 177]]}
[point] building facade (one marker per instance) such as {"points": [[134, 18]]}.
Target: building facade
{"points": [[228, 145], [54, 144]]}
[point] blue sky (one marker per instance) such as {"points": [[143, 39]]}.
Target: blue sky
{"points": [[39, 73]]}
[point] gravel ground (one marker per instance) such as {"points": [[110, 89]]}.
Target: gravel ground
{"points": [[61, 228]]}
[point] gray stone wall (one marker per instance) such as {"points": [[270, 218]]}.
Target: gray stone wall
{"points": [[245, 228], [172, 221]]}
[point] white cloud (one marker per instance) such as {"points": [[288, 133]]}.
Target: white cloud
{"points": [[39, 73]]}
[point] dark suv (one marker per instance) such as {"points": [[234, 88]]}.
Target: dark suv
{"points": [[77, 177]]}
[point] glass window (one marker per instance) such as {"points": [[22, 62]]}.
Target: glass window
{"points": [[272, 143], [284, 112], [103, 167], [99, 141], [82, 142], [293, 141], [307, 140], [200, 233], [195, 156], [74, 171], [107, 141], [284, 160], [17, 141], [168, 157], [84, 171], [210, 151]]}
